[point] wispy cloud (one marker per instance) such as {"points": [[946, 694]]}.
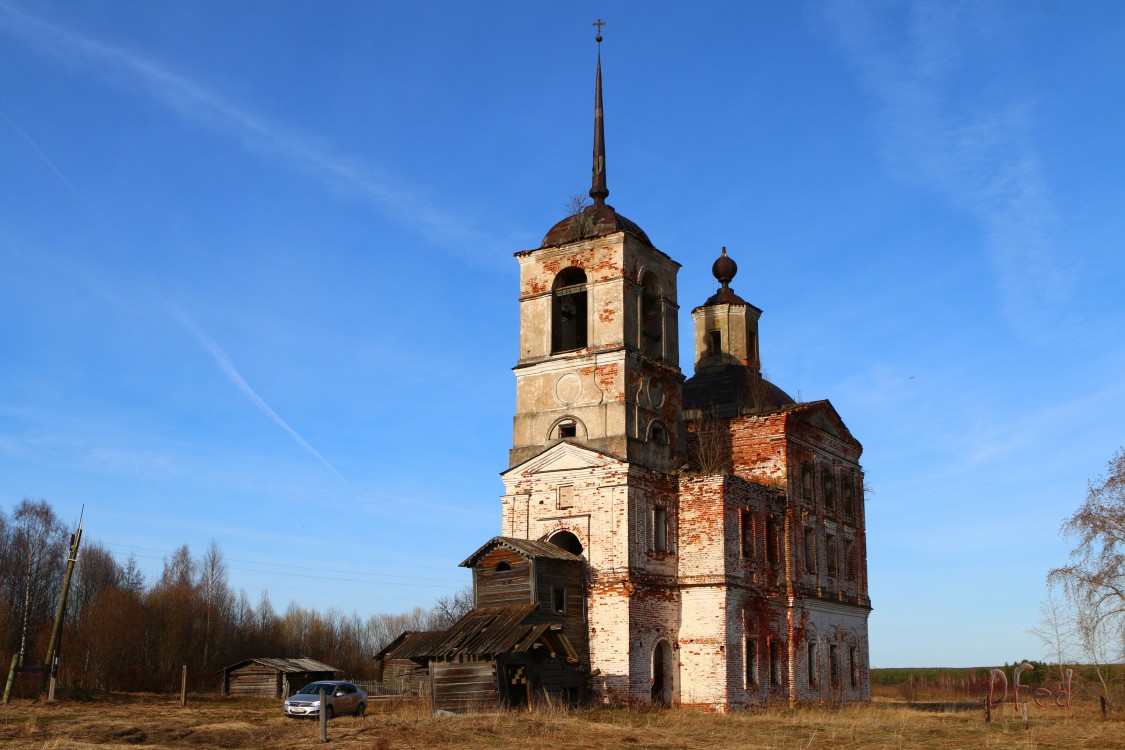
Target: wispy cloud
{"points": [[232, 373], [939, 73], [393, 198]]}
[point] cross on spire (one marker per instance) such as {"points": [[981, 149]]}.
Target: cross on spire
{"points": [[599, 23]]}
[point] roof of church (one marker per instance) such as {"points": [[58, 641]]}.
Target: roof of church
{"points": [[599, 219], [529, 548], [730, 390]]}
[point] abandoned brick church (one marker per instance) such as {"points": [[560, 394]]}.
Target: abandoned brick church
{"points": [[695, 541]]}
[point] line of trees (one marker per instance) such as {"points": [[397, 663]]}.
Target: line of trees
{"points": [[1083, 617], [121, 634]]}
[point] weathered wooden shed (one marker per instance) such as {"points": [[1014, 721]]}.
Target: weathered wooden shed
{"points": [[525, 641], [273, 678]]}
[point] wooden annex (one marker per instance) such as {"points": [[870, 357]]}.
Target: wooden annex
{"points": [[273, 678], [524, 642]]}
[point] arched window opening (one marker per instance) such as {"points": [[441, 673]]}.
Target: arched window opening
{"points": [[568, 541], [502, 566], [658, 433], [652, 319], [663, 669], [568, 310]]}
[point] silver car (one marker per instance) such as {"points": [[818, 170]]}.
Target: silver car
{"points": [[341, 697]]}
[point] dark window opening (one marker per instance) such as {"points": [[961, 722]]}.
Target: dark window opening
{"points": [[502, 566], [751, 346], [714, 343], [658, 434], [833, 666], [810, 551], [558, 599], [568, 541], [751, 662], [812, 665], [568, 430], [775, 663], [652, 322], [849, 560], [660, 529], [847, 491], [807, 482], [853, 666], [568, 310], [830, 554], [749, 542], [773, 541], [829, 491]]}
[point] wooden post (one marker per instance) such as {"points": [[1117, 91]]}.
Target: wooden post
{"points": [[16, 656], [183, 686], [1100, 698], [56, 631], [988, 710], [323, 715], [1023, 715]]}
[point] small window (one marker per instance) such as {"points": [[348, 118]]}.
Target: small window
{"points": [[775, 663], [810, 551], [849, 560], [749, 542], [714, 343], [829, 491], [565, 496], [660, 529], [568, 430], [751, 662], [847, 494], [833, 666], [658, 434], [502, 566], [853, 666], [830, 554], [812, 665], [558, 599]]}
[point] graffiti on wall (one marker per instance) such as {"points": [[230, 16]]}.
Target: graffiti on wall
{"points": [[1043, 697]]}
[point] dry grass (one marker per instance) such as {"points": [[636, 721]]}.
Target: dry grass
{"points": [[146, 721]]}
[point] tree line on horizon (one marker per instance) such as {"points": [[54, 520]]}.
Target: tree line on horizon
{"points": [[121, 633]]}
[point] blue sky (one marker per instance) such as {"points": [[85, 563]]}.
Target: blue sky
{"points": [[256, 281]]}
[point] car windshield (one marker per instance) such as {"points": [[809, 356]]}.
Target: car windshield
{"points": [[314, 688]]}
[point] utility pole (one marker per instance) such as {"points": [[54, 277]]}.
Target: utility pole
{"points": [[56, 632]]}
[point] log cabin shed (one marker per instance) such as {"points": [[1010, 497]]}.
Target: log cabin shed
{"points": [[524, 641], [273, 678]]}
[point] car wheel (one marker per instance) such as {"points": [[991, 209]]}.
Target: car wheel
{"points": [[329, 713], [360, 709]]}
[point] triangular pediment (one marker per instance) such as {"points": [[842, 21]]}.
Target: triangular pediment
{"points": [[562, 457], [823, 416]]}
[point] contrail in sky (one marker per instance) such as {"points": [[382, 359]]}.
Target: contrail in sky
{"points": [[235, 377], [129, 69]]}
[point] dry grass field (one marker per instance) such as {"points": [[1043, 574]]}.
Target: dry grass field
{"points": [[147, 721]]}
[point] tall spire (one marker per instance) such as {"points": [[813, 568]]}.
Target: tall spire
{"points": [[598, 190]]}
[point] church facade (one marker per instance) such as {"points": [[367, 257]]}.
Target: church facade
{"points": [[721, 522]]}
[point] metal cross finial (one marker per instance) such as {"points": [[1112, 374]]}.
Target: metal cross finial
{"points": [[599, 23]]}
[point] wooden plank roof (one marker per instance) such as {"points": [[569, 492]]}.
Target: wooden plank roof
{"points": [[483, 632], [529, 548], [286, 665]]}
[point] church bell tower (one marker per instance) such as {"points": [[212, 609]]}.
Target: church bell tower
{"points": [[599, 345]]}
